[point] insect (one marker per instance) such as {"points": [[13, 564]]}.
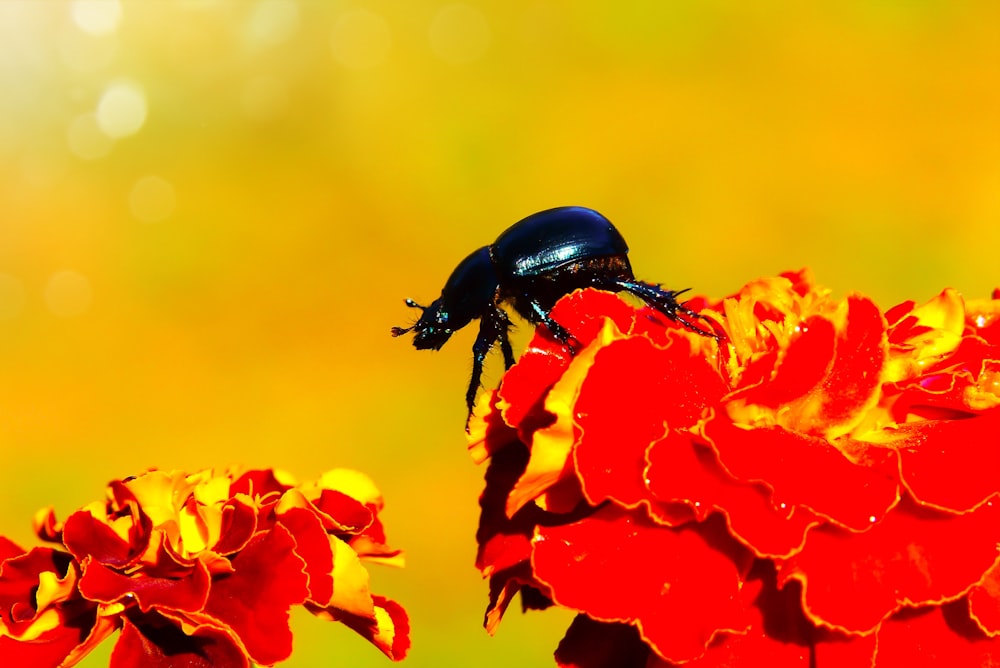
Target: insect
{"points": [[530, 266]]}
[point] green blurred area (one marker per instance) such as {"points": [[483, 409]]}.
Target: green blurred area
{"points": [[211, 211]]}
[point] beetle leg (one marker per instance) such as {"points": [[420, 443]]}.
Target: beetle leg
{"points": [[504, 336], [558, 331], [493, 326], [665, 301]]}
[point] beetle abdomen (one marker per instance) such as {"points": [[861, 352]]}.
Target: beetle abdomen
{"points": [[549, 239]]}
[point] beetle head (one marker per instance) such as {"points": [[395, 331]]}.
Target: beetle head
{"points": [[468, 293], [432, 330]]}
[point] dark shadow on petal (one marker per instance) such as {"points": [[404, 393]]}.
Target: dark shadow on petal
{"points": [[590, 644]]}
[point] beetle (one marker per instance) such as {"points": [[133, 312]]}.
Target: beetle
{"points": [[531, 265]]}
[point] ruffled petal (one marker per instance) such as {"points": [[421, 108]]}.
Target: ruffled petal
{"points": [[155, 642], [934, 636], [955, 479], [859, 480], [679, 587], [683, 471], [632, 394], [984, 602], [914, 556], [254, 600]]}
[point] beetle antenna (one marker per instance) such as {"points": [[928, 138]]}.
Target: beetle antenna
{"points": [[399, 331]]}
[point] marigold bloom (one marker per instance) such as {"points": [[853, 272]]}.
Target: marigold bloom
{"points": [[200, 569], [818, 489]]}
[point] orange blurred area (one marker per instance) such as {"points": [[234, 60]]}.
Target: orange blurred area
{"points": [[211, 212]]}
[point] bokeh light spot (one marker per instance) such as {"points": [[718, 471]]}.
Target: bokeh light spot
{"points": [[272, 22], [96, 17], [68, 294], [360, 39], [121, 110], [12, 297], [85, 138], [459, 34], [152, 199], [264, 98]]}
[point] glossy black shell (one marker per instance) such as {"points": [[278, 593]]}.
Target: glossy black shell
{"points": [[470, 289], [548, 239]]}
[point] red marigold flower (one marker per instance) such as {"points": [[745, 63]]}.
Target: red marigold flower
{"points": [[818, 488], [201, 569]]}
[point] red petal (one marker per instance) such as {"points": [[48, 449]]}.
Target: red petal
{"points": [[773, 380], [389, 630], [855, 485], [632, 393], [525, 385], [344, 514], [854, 377], [984, 602], [156, 643], [8, 549], [678, 586], [19, 583], [255, 599], [933, 637], [187, 594], [86, 536], [312, 544], [952, 385], [682, 471], [51, 649], [780, 635], [504, 586], [913, 556], [260, 484], [239, 523], [952, 464]]}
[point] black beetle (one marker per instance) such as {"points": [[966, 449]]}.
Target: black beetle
{"points": [[531, 265]]}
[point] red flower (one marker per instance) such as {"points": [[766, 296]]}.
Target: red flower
{"points": [[201, 569], [815, 490]]}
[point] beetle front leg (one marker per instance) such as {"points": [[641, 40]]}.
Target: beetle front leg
{"points": [[493, 326], [504, 336], [558, 331]]}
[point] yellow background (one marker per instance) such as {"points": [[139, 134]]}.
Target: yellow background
{"points": [[211, 211]]}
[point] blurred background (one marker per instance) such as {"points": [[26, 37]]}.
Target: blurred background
{"points": [[211, 212]]}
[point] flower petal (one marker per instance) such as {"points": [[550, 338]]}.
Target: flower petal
{"points": [[680, 587], [186, 593], [913, 556], [255, 599], [682, 471], [984, 602], [780, 636], [524, 386], [633, 392], [934, 636], [388, 628], [859, 480], [955, 479], [154, 642], [85, 535], [312, 544]]}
